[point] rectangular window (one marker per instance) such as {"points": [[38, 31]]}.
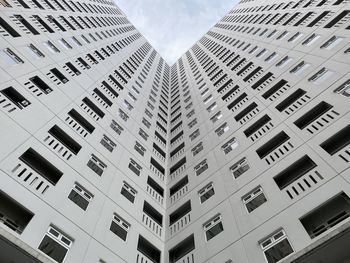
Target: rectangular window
{"points": [[201, 167], [332, 42], [213, 227], [222, 129], [199, 147], [240, 167], [58, 74], [34, 51], [80, 196], [96, 165], [119, 227], [128, 192], [140, 149], [300, 68], [216, 117], [320, 76], [276, 247], [51, 47], [10, 58], [254, 199], [206, 192], [344, 89], [55, 244], [108, 143], [135, 167], [230, 145], [116, 127]]}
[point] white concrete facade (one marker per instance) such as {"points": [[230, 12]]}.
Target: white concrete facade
{"points": [[239, 152]]}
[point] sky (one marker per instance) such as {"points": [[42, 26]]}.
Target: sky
{"points": [[173, 26]]}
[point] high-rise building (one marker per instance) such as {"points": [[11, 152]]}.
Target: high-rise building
{"points": [[238, 153]]}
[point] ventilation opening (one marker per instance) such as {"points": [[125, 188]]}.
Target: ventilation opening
{"points": [[177, 165], [338, 141], [153, 213], [327, 215], [158, 166], [15, 97], [147, 249], [81, 120], [155, 186], [59, 75], [39, 83], [65, 139], [182, 249], [179, 185], [290, 100], [9, 29], [257, 125], [274, 89], [272, 144], [42, 166], [180, 212], [13, 214], [93, 107], [294, 172], [246, 111], [313, 114], [103, 97]]}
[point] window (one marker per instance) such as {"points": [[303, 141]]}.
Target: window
{"points": [[96, 165], [213, 227], [140, 149], [332, 42], [284, 61], [320, 76], [108, 143], [51, 47], [55, 244], [10, 58], [216, 117], [240, 167], [201, 167], [302, 66], [276, 247], [344, 89], [206, 192], [230, 145], [119, 227], [116, 127], [80, 196], [195, 150], [34, 51], [128, 192], [222, 129], [135, 167], [254, 199], [310, 40]]}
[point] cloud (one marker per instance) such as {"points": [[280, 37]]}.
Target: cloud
{"points": [[173, 26]]}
